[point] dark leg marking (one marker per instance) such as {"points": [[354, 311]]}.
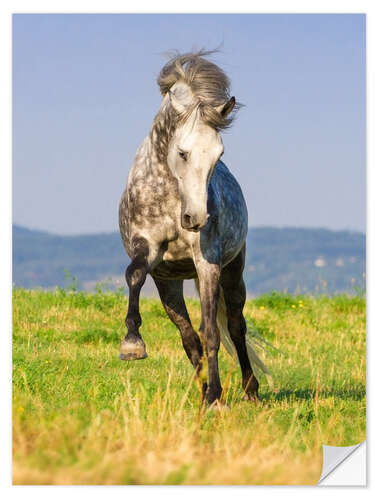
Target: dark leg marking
{"points": [[133, 347], [235, 298], [172, 298]]}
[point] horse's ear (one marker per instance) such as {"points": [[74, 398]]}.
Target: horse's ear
{"points": [[227, 107], [176, 104]]}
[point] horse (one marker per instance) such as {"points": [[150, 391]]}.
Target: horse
{"points": [[183, 216]]}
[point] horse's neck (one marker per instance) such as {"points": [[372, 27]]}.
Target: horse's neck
{"points": [[147, 165]]}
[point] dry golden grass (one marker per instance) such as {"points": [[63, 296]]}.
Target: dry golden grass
{"points": [[83, 417]]}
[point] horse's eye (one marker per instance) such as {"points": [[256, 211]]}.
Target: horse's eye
{"points": [[182, 155]]}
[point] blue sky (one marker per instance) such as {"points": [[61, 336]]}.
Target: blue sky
{"points": [[85, 94]]}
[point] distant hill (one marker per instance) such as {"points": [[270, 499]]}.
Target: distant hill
{"points": [[290, 259]]}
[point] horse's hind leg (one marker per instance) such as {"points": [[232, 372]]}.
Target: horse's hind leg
{"points": [[133, 347], [171, 295], [235, 297]]}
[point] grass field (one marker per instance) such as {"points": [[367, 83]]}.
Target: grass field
{"points": [[82, 416]]}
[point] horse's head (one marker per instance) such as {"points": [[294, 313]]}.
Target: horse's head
{"points": [[194, 149]]}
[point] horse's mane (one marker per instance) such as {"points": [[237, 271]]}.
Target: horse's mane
{"points": [[210, 87]]}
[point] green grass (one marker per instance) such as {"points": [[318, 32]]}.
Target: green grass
{"points": [[81, 416]]}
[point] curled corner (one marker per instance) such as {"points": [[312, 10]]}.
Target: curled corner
{"points": [[333, 456]]}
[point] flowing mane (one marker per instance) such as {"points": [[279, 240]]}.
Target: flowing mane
{"points": [[210, 87]]}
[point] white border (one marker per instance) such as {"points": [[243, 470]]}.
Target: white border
{"points": [[117, 6]]}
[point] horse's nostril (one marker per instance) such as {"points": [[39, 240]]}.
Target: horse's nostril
{"points": [[187, 220]]}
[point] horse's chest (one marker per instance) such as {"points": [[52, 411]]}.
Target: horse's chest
{"points": [[150, 203], [150, 207]]}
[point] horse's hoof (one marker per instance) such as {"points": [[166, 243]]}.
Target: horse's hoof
{"points": [[131, 356], [130, 351], [253, 398], [218, 406]]}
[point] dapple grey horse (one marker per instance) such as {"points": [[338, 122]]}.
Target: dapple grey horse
{"points": [[183, 216]]}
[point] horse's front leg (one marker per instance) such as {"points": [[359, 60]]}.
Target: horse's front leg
{"points": [[133, 347], [208, 275]]}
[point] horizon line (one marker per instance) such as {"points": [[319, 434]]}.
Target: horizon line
{"points": [[261, 226]]}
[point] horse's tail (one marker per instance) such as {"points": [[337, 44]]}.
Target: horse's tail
{"points": [[222, 323]]}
